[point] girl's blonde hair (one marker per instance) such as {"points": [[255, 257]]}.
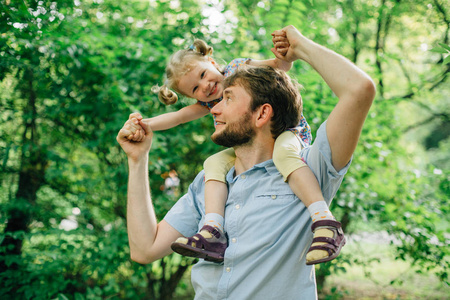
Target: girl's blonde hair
{"points": [[179, 64]]}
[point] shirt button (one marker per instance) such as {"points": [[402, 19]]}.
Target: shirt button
{"points": [[274, 196], [233, 240], [228, 269], [237, 206], [243, 176]]}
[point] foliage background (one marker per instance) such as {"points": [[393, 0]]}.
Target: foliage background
{"points": [[72, 71]]}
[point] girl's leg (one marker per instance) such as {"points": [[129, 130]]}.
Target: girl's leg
{"points": [[210, 243], [305, 186], [216, 191]]}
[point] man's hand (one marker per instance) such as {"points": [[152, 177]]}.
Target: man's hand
{"points": [[280, 43], [135, 137]]}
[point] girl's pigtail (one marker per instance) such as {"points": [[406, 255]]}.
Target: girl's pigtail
{"points": [[165, 95], [202, 47]]}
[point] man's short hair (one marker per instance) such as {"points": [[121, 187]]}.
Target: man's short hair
{"points": [[272, 86]]}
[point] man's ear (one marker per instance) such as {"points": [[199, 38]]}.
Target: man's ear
{"points": [[264, 115]]}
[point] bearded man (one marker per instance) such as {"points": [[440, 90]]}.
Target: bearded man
{"points": [[267, 225]]}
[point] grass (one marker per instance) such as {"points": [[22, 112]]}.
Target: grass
{"points": [[383, 278]]}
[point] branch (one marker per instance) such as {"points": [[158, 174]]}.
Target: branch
{"points": [[441, 9], [383, 26], [444, 77], [350, 6], [435, 85], [379, 47], [433, 117]]}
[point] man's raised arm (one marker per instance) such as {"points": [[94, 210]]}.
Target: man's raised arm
{"points": [[354, 88], [148, 240]]}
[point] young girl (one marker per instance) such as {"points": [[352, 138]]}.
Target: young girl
{"points": [[193, 73]]}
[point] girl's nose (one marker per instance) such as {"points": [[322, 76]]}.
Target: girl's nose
{"points": [[204, 85]]}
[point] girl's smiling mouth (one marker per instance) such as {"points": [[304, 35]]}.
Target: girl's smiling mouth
{"points": [[214, 90]]}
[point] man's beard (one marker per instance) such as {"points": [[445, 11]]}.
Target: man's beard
{"points": [[235, 134]]}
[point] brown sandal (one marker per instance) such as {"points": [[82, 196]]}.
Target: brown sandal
{"points": [[333, 245], [211, 249]]}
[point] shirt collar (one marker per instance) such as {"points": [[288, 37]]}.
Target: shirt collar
{"points": [[267, 165]]}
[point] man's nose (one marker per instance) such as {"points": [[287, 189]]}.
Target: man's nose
{"points": [[217, 109]]}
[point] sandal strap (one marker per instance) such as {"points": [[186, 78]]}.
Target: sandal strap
{"points": [[200, 241], [214, 231], [323, 239], [326, 223], [326, 247]]}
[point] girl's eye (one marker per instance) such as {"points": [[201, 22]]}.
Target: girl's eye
{"points": [[193, 91], [202, 75]]}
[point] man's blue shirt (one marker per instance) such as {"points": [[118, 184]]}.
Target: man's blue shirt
{"points": [[268, 231]]}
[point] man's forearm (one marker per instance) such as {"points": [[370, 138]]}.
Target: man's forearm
{"points": [[355, 90], [141, 218]]}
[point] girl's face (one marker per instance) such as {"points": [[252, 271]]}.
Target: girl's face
{"points": [[203, 82]]}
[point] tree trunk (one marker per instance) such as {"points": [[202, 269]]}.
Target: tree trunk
{"points": [[163, 288], [31, 178]]}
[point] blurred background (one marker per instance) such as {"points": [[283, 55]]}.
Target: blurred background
{"points": [[72, 71]]}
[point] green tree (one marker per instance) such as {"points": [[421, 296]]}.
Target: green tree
{"points": [[72, 72]]}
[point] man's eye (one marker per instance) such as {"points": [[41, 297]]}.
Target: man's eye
{"points": [[228, 99]]}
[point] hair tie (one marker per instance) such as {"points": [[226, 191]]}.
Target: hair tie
{"points": [[211, 60], [191, 47]]}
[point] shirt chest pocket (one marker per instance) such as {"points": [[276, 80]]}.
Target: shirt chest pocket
{"points": [[276, 196], [271, 208]]}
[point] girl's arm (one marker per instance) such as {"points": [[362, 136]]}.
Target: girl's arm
{"points": [[274, 63], [172, 119]]}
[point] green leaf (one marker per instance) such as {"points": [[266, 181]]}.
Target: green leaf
{"points": [[439, 50], [446, 60], [445, 46], [62, 297]]}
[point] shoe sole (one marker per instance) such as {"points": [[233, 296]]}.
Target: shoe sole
{"points": [[190, 251]]}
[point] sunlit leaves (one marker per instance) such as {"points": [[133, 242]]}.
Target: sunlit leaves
{"points": [[94, 63]]}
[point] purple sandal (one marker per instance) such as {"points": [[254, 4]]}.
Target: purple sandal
{"points": [[333, 245], [210, 248]]}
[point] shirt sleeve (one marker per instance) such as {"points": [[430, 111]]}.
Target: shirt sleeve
{"points": [[318, 159], [186, 215]]}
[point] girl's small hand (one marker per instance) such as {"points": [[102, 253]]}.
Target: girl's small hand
{"points": [[280, 43], [135, 115], [135, 131], [290, 44], [138, 135]]}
